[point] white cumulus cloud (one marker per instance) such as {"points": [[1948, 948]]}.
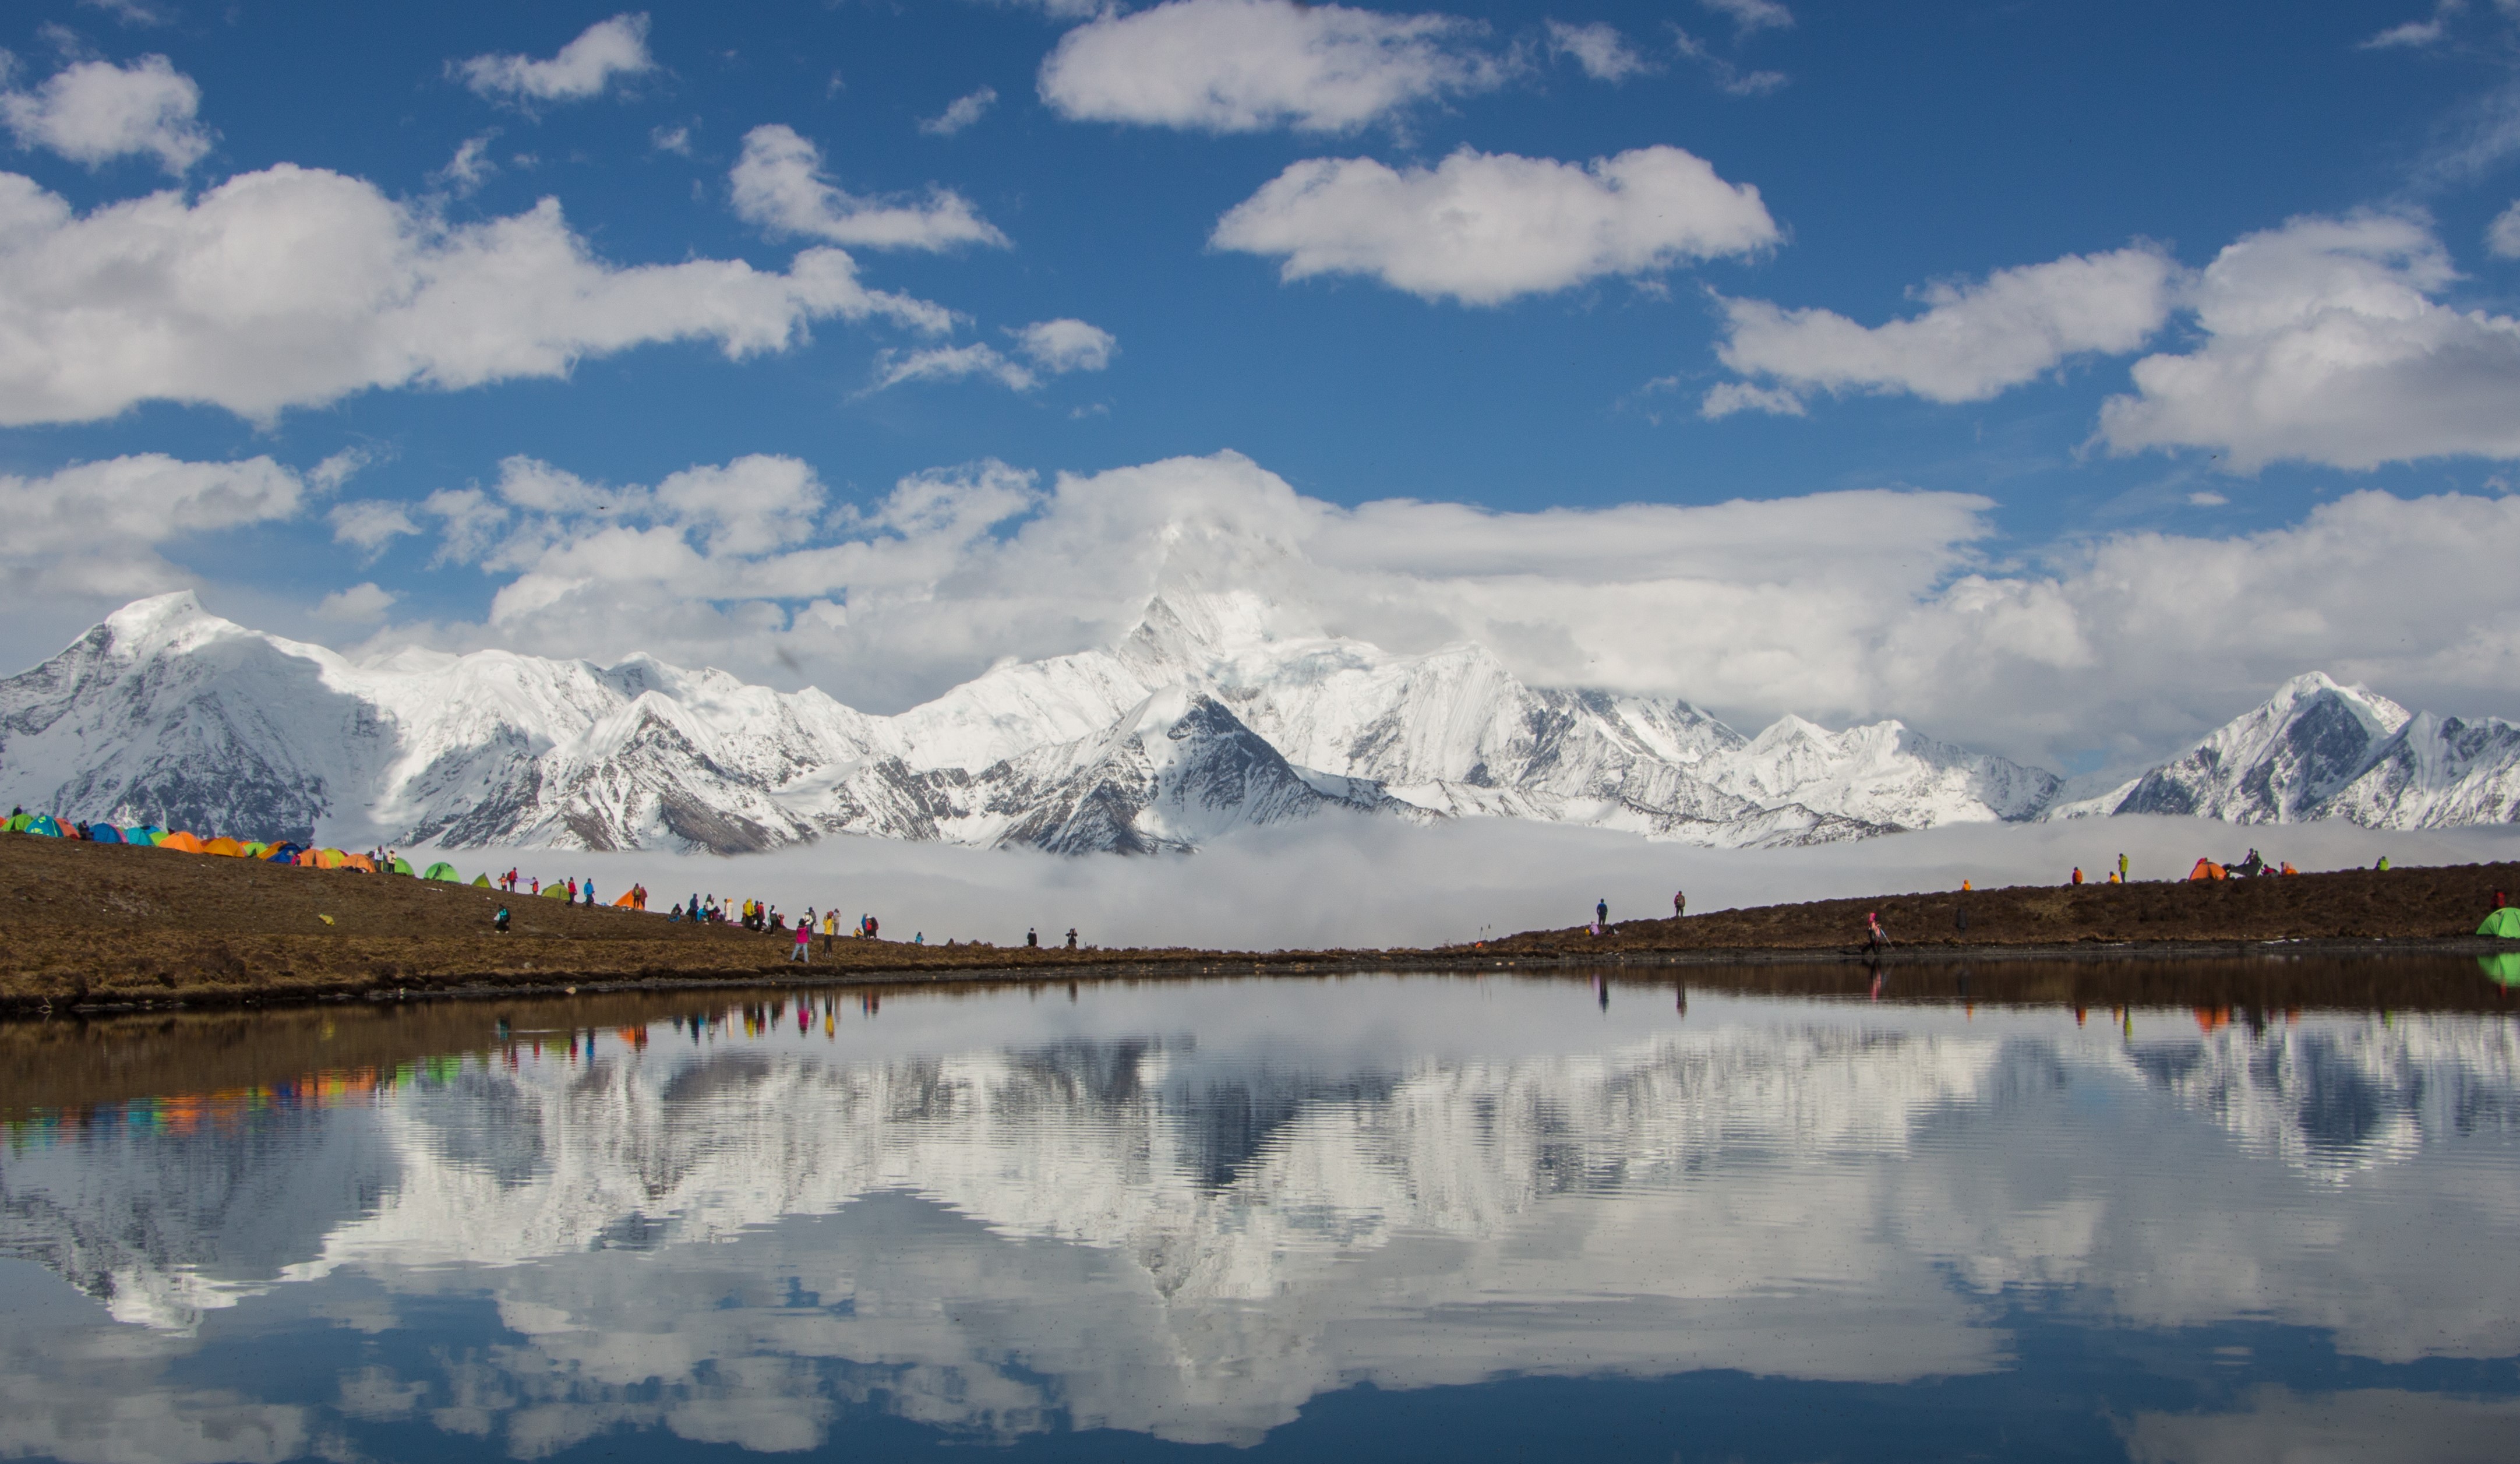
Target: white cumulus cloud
{"points": [[1749, 15], [359, 605], [1249, 66], [1067, 344], [778, 185], [1483, 228], [2502, 236], [295, 287], [1971, 341], [948, 363], [1054, 347], [582, 70], [470, 167], [962, 112], [371, 522], [87, 538], [2323, 341], [95, 112], [1599, 48]]}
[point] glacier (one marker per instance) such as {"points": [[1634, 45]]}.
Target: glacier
{"points": [[1218, 711]]}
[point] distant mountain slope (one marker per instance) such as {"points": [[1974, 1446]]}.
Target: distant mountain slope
{"points": [[1207, 717], [2317, 750]]}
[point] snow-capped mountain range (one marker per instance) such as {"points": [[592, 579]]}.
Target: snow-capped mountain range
{"points": [[1209, 716]]}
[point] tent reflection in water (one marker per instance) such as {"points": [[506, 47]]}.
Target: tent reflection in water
{"points": [[2505, 969]]}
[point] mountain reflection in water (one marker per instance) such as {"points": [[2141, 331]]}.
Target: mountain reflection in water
{"points": [[1233, 1213]]}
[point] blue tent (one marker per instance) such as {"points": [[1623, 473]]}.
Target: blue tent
{"points": [[284, 853], [104, 833], [42, 823]]}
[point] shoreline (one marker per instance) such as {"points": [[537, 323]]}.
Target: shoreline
{"points": [[1247, 965], [105, 930]]}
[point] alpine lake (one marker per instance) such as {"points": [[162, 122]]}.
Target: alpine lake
{"points": [[2218, 1209]]}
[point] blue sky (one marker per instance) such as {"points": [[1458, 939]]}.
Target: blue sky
{"points": [[1145, 181]]}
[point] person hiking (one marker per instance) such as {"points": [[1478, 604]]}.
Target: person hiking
{"points": [[1601, 914], [572, 893], [1032, 938], [1874, 937], [1071, 937], [803, 953], [874, 928], [588, 887], [830, 923], [1679, 903], [2121, 869], [500, 920], [2078, 874]]}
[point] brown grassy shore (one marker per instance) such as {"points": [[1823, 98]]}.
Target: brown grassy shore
{"points": [[88, 925], [2419, 906]]}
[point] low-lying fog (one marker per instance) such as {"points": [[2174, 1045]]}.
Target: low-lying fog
{"points": [[1339, 881]]}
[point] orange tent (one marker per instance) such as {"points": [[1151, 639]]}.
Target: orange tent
{"points": [[329, 858], [624, 902], [182, 841], [359, 862], [228, 846], [2207, 869]]}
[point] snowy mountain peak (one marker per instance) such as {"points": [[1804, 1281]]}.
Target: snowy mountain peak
{"points": [[1219, 711], [2317, 750], [147, 627]]}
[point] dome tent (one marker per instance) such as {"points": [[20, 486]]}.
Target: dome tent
{"points": [[224, 847], [441, 870], [402, 865], [554, 891], [2503, 924], [179, 840], [284, 853], [481, 882], [42, 823], [104, 833]]}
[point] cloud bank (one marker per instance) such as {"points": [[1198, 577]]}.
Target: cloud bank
{"points": [[1839, 606]]}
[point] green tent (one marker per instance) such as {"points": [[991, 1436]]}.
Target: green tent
{"points": [[441, 870], [402, 865], [17, 822], [2503, 968], [481, 881], [2503, 924], [554, 891]]}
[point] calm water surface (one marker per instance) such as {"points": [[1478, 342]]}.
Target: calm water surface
{"points": [[1430, 1218]]}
